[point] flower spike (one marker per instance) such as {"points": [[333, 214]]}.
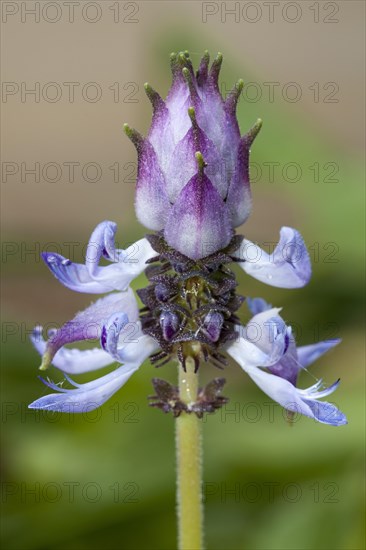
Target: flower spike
{"points": [[192, 190]]}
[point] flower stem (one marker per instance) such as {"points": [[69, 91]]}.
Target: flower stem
{"points": [[189, 466]]}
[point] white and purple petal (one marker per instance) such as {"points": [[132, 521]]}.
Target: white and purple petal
{"points": [[287, 267], [94, 279], [88, 324], [125, 341], [73, 361]]}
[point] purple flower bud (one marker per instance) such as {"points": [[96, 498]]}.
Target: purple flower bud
{"points": [[213, 324], [196, 210], [169, 323], [162, 292]]}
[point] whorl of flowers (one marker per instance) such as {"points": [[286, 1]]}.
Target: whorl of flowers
{"points": [[192, 191]]}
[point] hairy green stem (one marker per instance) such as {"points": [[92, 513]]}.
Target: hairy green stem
{"points": [[189, 466]]}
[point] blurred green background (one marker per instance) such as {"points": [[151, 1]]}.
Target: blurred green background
{"points": [[107, 479]]}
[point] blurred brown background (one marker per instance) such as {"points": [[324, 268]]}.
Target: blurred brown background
{"points": [[303, 63]]}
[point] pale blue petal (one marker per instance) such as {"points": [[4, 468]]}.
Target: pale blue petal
{"points": [[326, 413], [86, 397], [309, 354], [289, 397], [94, 279], [257, 305]]}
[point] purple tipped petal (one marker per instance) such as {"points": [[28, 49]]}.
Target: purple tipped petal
{"points": [[309, 354], [198, 223], [288, 266], [73, 361], [86, 397], [87, 324]]}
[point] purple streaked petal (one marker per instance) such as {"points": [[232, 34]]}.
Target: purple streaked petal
{"points": [[96, 279], [73, 361], [198, 223], [309, 354], [86, 397], [288, 266], [88, 324]]}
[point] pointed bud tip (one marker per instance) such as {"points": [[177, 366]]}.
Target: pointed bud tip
{"points": [[192, 115], [46, 361], [133, 135], [219, 58], [256, 128], [240, 85], [127, 129], [253, 132], [200, 160]]}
